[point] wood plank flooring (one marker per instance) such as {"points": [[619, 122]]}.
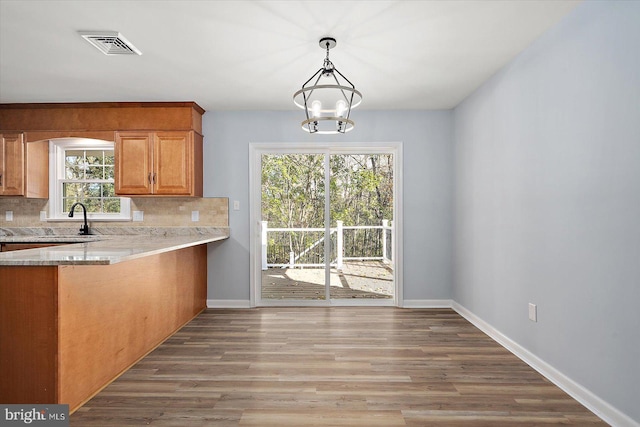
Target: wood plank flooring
{"points": [[338, 366]]}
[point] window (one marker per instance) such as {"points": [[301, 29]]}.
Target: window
{"points": [[82, 170]]}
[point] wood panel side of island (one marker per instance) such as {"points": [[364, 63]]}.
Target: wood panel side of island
{"points": [[110, 316], [28, 334]]}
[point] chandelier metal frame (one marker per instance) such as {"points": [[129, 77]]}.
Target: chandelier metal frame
{"points": [[320, 118]]}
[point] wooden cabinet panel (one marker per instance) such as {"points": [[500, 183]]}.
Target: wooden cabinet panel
{"points": [[172, 155], [158, 145], [24, 167], [36, 170], [112, 316], [68, 331], [28, 334], [133, 163], [158, 163], [101, 116], [11, 165]]}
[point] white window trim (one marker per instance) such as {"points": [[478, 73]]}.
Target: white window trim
{"points": [[57, 148]]}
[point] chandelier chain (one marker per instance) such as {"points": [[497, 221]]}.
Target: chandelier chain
{"points": [[328, 65]]}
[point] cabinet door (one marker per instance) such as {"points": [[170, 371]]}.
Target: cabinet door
{"points": [[36, 165], [11, 165], [173, 163], [133, 167]]}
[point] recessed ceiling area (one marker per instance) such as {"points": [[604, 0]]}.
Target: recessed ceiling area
{"points": [[253, 55]]}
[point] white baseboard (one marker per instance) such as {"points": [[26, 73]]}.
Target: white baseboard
{"points": [[427, 303], [228, 303], [595, 404]]}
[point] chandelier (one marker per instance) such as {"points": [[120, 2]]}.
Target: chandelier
{"points": [[327, 106]]}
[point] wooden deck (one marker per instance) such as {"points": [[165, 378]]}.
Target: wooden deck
{"points": [[329, 367], [357, 279]]}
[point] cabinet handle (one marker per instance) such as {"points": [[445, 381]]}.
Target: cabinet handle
{"points": [[0, 180], [149, 177], [154, 177]]}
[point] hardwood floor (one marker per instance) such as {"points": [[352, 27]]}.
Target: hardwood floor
{"points": [[339, 366]]}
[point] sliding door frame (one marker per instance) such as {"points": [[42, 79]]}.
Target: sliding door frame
{"points": [[256, 151]]}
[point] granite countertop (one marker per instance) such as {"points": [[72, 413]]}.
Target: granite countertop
{"points": [[107, 247]]}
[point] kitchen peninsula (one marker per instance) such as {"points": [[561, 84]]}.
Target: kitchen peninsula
{"points": [[75, 316]]}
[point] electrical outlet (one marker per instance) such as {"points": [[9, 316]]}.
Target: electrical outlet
{"points": [[195, 216], [236, 205], [8, 215], [43, 215], [138, 216], [533, 312]]}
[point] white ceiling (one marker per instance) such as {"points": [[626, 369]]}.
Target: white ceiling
{"points": [[253, 55]]}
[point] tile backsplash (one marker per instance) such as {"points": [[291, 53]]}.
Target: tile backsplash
{"points": [[158, 212]]}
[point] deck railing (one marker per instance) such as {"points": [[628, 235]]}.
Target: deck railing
{"points": [[310, 245]]}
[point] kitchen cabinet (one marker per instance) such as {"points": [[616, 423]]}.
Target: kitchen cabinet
{"points": [[66, 331], [162, 163], [24, 168], [11, 164], [158, 148]]}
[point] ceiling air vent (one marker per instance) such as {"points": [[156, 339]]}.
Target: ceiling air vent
{"points": [[110, 42]]}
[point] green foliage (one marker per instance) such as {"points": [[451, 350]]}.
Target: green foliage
{"points": [[89, 179], [293, 190], [361, 189], [293, 193]]}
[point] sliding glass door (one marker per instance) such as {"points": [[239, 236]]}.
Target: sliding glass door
{"points": [[325, 231], [292, 227], [361, 201]]}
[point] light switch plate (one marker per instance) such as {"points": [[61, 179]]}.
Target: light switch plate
{"points": [[8, 215], [533, 312], [236, 205], [195, 216]]}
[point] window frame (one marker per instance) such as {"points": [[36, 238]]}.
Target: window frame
{"points": [[57, 148]]}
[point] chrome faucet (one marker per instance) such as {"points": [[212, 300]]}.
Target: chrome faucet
{"points": [[85, 228]]}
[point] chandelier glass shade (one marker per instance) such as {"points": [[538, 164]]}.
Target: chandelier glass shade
{"points": [[327, 98]]}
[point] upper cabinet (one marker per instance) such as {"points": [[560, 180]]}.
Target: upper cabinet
{"points": [[24, 167], [11, 165], [158, 145], [158, 163]]}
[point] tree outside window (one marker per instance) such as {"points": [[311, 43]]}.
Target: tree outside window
{"points": [[84, 172], [89, 180]]}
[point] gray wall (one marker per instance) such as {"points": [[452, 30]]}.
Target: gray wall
{"points": [[547, 201], [427, 174]]}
